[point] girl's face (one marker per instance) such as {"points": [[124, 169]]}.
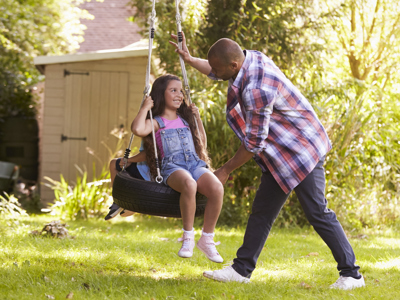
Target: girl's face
{"points": [[173, 95]]}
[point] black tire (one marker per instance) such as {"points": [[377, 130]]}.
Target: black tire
{"points": [[151, 198]]}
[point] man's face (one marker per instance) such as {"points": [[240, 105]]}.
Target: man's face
{"points": [[221, 70]]}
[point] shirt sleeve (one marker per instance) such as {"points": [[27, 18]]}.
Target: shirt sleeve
{"points": [[258, 105]]}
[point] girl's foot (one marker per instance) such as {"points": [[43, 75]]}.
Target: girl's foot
{"points": [[187, 244], [207, 245]]}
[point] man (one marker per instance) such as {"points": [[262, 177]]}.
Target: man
{"points": [[279, 129]]}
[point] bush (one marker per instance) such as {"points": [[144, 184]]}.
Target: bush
{"points": [[83, 199], [10, 207], [362, 169]]}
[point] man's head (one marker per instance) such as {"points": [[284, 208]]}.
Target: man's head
{"points": [[225, 58]]}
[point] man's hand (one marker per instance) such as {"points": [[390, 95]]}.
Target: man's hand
{"points": [[241, 157], [201, 65], [222, 175], [184, 52]]}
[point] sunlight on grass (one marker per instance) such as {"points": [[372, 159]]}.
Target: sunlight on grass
{"points": [[389, 265], [136, 258]]}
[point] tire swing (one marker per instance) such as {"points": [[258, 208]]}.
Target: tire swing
{"points": [[149, 197]]}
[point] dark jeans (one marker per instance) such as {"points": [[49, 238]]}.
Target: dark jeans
{"points": [[266, 207]]}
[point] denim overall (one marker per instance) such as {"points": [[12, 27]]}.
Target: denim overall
{"points": [[179, 152]]}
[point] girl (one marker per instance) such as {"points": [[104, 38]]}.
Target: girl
{"points": [[183, 159]]}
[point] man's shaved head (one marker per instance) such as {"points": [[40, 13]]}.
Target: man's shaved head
{"points": [[226, 51]]}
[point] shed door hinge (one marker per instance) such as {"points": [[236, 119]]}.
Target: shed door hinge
{"points": [[65, 138], [66, 73]]}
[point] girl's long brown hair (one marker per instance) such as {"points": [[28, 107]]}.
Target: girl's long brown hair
{"points": [[184, 111]]}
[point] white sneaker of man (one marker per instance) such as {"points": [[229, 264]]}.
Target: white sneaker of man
{"points": [[227, 274], [348, 283]]}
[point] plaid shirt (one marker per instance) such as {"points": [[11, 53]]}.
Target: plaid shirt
{"points": [[274, 121]]}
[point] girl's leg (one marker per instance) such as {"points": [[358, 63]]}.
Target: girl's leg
{"points": [[113, 170], [115, 210], [182, 182], [209, 185]]}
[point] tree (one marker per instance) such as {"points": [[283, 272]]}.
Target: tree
{"points": [[342, 56], [29, 28], [368, 31]]}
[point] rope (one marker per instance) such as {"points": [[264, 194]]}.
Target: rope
{"points": [[182, 62], [147, 83], [146, 92]]}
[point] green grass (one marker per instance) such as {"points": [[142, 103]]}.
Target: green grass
{"points": [[131, 259]]}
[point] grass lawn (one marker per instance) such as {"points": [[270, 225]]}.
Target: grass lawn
{"points": [[136, 258]]}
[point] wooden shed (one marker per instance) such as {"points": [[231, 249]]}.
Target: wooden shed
{"points": [[86, 96]]}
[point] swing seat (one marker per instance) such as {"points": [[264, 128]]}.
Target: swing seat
{"points": [[150, 198]]}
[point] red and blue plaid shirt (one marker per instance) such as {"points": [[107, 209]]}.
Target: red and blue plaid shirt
{"points": [[274, 121]]}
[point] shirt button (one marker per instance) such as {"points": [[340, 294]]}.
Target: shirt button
{"points": [[163, 132], [187, 156]]}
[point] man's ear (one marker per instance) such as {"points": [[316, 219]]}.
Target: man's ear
{"points": [[234, 65]]}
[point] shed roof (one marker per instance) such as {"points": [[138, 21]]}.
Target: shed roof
{"points": [[136, 49], [110, 27]]}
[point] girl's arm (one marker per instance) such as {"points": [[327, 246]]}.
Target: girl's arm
{"points": [[141, 156], [196, 113], [140, 125]]}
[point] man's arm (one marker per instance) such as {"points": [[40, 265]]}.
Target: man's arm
{"points": [[240, 158], [201, 65]]}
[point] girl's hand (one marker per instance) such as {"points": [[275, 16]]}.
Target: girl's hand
{"points": [[121, 163], [195, 111], [148, 103]]}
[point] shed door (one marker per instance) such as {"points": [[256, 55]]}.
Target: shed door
{"points": [[95, 104]]}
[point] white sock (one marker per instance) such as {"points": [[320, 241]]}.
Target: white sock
{"points": [[207, 234], [189, 231]]}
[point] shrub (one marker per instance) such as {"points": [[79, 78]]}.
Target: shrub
{"points": [[83, 199], [10, 207]]}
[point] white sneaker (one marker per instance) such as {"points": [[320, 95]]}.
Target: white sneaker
{"points": [[207, 245], [187, 245], [348, 283], [227, 274]]}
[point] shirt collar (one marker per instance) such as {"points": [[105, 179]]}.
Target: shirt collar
{"points": [[239, 78]]}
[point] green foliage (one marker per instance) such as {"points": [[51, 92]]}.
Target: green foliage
{"points": [[15, 98], [28, 29], [10, 207], [317, 47], [82, 199]]}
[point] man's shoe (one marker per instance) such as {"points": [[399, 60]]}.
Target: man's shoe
{"points": [[207, 245], [114, 211], [227, 274], [187, 245], [348, 283]]}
